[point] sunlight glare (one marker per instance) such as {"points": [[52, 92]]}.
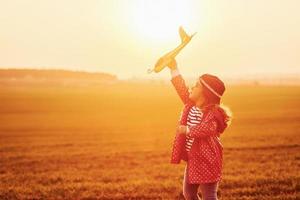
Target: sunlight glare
{"points": [[160, 20]]}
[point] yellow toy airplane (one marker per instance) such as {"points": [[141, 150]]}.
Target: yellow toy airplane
{"points": [[167, 58]]}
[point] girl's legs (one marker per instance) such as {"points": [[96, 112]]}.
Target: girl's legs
{"points": [[209, 190], [189, 190]]}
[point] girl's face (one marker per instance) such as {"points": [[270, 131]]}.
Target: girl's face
{"points": [[196, 93]]}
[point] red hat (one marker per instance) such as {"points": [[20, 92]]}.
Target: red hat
{"points": [[213, 84]]}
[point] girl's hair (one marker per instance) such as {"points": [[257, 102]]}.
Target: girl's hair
{"points": [[211, 100], [227, 113]]}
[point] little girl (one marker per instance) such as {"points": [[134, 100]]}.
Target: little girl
{"points": [[205, 120]]}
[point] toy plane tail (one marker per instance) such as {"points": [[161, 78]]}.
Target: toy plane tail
{"points": [[184, 36]]}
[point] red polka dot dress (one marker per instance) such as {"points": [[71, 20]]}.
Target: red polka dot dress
{"points": [[200, 147]]}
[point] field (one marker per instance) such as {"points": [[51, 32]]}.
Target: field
{"points": [[113, 141]]}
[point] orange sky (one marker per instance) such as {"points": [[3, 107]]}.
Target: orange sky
{"points": [[126, 37]]}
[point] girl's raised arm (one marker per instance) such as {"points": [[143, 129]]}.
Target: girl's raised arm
{"points": [[179, 84]]}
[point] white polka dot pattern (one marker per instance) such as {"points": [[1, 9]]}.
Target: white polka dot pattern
{"points": [[181, 89], [204, 160]]}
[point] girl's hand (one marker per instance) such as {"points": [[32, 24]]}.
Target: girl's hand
{"points": [[181, 129], [172, 64]]}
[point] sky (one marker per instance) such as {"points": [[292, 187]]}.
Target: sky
{"points": [[126, 37]]}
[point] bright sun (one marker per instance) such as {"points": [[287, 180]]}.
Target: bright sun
{"points": [[160, 20]]}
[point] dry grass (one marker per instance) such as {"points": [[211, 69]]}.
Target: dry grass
{"points": [[114, 142]]}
